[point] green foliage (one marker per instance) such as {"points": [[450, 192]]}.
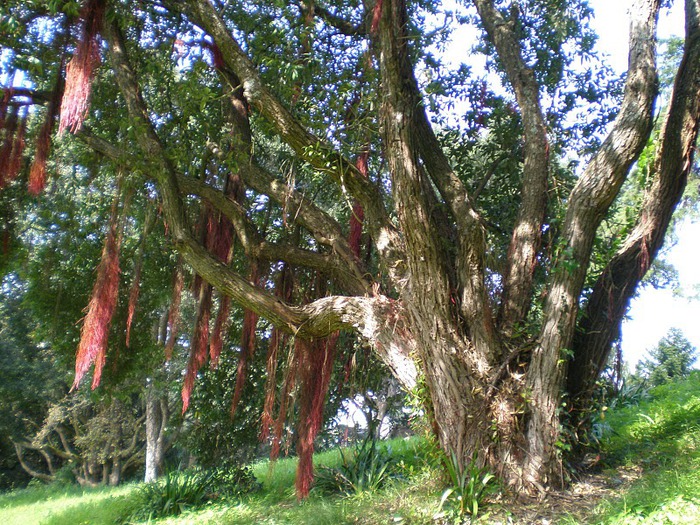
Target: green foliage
{"points": [[230, 482], [173, 494], [366, 469], [469, 485], [661, 438], [670, 360], [179, 491]]}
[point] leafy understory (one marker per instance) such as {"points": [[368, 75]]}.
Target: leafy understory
{"points": [[648, 474]]}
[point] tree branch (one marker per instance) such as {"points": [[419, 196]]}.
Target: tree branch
{"points": [[527, 231], [310, 148], [588, 203], [345, 272], [27, 468], [600, 325]]}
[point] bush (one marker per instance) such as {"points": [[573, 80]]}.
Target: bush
{"points": [[367, 469], [172, 494], [179, 491], [231, 482]]}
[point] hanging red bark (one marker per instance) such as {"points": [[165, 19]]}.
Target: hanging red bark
{"points": [[105, 293], [4, 103], [376, 17], [284, 290], [37, 172], [14, 165], [136, 282], [81, 69], [10, 129], [288, 384], [250, 323], [315, 368], [217, 339], [198, 345], [174, 313], [358, 212], [133, 299]]}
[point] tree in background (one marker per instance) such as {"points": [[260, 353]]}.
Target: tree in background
{"points": [[305, 170], [670, 360]]}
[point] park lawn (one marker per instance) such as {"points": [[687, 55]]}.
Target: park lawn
{"points": [[649, 474]]}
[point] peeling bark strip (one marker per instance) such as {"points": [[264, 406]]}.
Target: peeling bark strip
{"points": [[250, 323], [199, 344], [94, 334], [81, 69], [174, 312], [37, 172], [315, 369]]}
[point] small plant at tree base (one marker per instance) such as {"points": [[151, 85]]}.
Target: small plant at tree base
{"points": [[470, 484], [230, 482], [366, 469]]}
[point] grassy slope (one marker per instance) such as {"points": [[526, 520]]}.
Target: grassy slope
{"points": [[659, 439]]}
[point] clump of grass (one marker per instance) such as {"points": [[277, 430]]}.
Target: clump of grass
{"points": [[366, 469], [469, 485], [179, 491]]}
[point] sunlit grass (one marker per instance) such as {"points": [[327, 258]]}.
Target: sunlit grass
{"points": [[660, 438], [72, 506]]}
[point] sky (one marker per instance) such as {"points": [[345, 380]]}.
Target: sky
{"points": [[654, 312]]}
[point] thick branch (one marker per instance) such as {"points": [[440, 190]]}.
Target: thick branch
{"points": [[411, 144], [19, 450], [600, 324], [338, 22], [371, 317], [527, 232], [588, 203], [307, 146], [347, 276]]}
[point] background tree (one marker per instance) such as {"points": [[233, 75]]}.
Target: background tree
{"points": [[670, 360], [297, 138]]}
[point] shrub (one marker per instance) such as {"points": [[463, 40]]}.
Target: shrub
{"points": [[182, 490], [366, 469], [172, 494]]}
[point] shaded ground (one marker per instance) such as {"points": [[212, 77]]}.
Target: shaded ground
{"points": [[574, 505]]}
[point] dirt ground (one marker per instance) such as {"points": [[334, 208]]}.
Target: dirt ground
{"points": [[575, 504]]}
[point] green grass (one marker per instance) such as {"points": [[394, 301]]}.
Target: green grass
{"points": [[66, 506], [659, 438]]}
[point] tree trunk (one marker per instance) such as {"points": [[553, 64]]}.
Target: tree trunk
{"points": [[115, 476], [156, 420]]}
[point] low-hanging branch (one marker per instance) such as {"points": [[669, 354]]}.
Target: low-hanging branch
{"points": [[348, 276]]}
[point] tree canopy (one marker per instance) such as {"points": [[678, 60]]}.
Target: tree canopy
{"points": [[317, 167]]}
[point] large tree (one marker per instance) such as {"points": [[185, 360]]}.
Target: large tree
{"points": [[473, 275]]}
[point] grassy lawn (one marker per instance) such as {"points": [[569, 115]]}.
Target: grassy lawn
{"points": [[650, 475]]}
